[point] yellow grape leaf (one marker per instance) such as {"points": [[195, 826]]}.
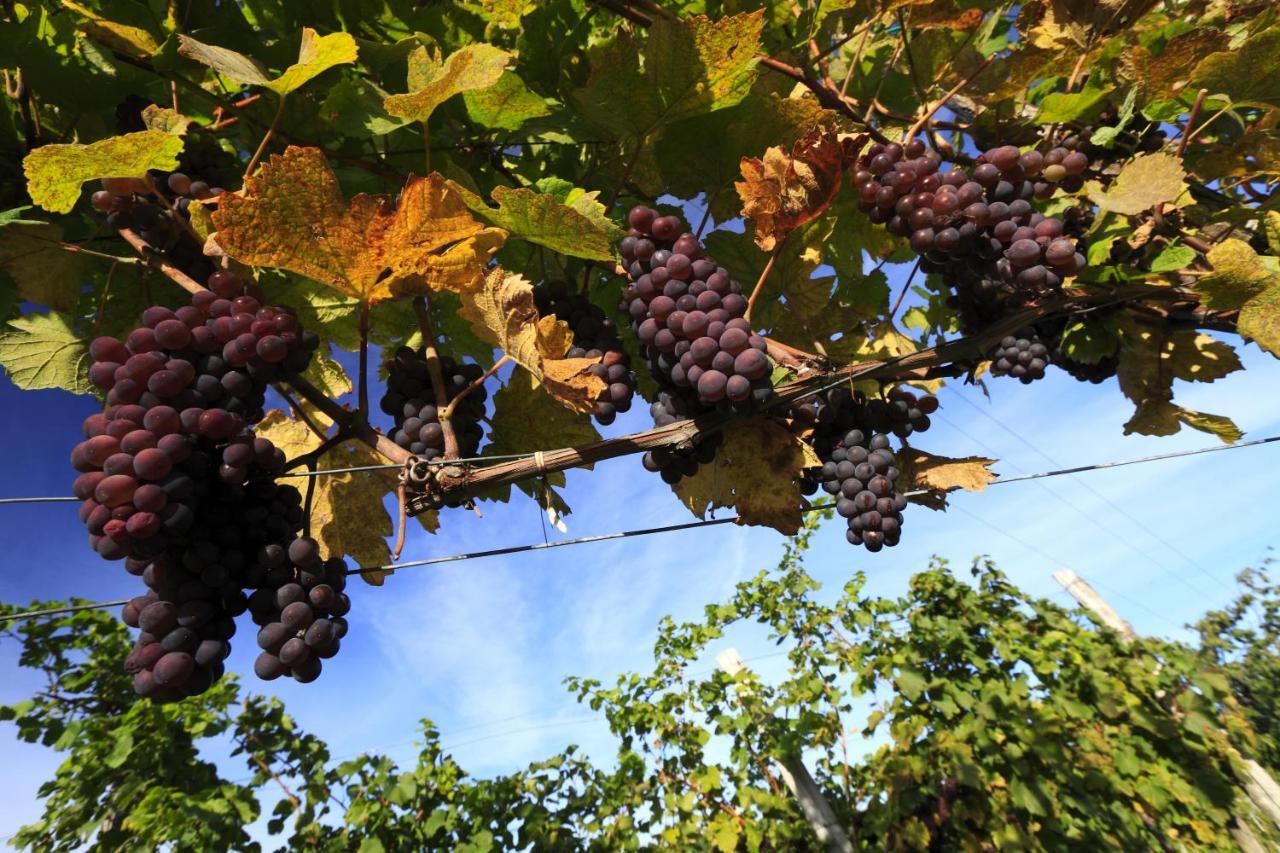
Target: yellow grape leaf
{"points": [[45, 273], [1077, 23], [348, 518], [938, 475], [1143, 182], [55, 172], [201, 216], [502, 312], [526, 419], [757, 472], [1238, 276], [1260, 320], [293, 216], [1151, 358], [433, 80], [316, 55], [1271, 226], [789, 188], [328, 376], [1250, 73], [128, 40], [166, 119], [43, 351]]}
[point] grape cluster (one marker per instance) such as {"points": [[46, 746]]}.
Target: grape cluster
{"points": [[851, 436], [979, 231], [174, 481], [594, 336], [148, 206], [688, 314], [1023, 355], [196, 588], [410, 399], [300, 607]]}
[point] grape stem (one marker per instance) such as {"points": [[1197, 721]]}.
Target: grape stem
{"points": [[363, 395], [764, 274], [155, 258], [1188, 135], [266, 137], [437, 375], [447, 411], [938, 104], [311, 457], [788, 355], [401, 499]]}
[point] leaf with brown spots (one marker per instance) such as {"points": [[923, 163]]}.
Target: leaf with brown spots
{"points": [[938, 475]]}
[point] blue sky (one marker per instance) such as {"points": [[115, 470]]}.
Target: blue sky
{"points": [[481, 646]]}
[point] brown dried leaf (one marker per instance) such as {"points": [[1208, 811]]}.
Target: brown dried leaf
{"points": [[293, 216], [790, 188], [938, 475], [501, 310]]}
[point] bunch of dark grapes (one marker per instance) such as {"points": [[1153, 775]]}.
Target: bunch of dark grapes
{"points": [[688, 314], [174, 481], [187, 619], [851, 436], [1023, 355], [979, 231], [595, 335], [149, 207], [300, 607], [411, 400]]}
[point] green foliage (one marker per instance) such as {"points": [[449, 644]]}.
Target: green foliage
{"points": [[963, 714]]}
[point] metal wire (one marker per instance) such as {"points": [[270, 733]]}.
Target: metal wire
{"points": [[689, 525]]}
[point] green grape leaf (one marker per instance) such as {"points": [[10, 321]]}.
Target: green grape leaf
{"points": [[1248, 74], [1092, 341], [43, 351], [432, 81], [691, 66], [506, 105], [1143, 182], [55, 172], [543, 219], [757, 472], [316, 54], [165, 119], [354, 107], [45, 272], [1077, 106], [1172, 258]]}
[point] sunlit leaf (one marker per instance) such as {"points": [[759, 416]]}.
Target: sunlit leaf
{"points": [[43, 351], [316, 54], [293, 216], [543, 219], [432, 80], [55, 172], [1143, 182]]}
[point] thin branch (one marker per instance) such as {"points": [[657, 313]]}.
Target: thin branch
{"points": [[402, 499], [102, 300], [344, 417], [447, 411], [937, 105], [950, 356], [155, 258], [902, 295], [829, 98], [298, 411]]}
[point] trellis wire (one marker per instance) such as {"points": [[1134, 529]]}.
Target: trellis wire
{"points": [[672, 528]]}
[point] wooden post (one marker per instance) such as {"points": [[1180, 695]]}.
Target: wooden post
{"points": [[800, 782], [1257, 783], [1089, 599]]}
